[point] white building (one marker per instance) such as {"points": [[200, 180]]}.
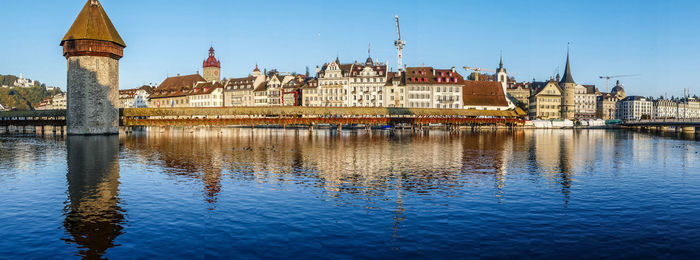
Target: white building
{"points": [[23, 83], [664, 108], [60, 101], [333, 85], [207, 94], [366, 85], [395, 88], [433, 88], [135, 98], [680, 108], [585, 101], [634, 108], [688, 108], [309, 92], [239, 91]]}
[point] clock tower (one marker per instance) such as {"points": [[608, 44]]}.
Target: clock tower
{"points": [[211, 67]]}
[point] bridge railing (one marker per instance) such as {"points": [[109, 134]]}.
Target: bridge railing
{"points": [[279, 115], [291, 115], [33, 118], [663, 120]]}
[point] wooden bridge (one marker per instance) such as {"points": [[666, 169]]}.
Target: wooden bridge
{"points": [[690, 125], [277, 116]]}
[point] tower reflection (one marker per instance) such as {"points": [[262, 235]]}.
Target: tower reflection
{"points": [[93, 217]]}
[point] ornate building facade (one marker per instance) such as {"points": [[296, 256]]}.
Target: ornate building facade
{"points": [[366, 84]]}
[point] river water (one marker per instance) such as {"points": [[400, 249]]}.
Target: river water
{"points": [[271, 193]]}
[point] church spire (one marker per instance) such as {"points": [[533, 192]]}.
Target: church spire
{"points": [[500, 63], [501, 69], [567, 71]]}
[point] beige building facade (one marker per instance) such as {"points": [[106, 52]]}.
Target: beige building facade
{"points": [[545, 101]]}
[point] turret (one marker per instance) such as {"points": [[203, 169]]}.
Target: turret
{"points": [[568, 86], [211, 67], [92, 48], [256, 71]]}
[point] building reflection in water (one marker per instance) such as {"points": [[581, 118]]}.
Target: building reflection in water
{"points": [[354, 163], [371, 165], [552, 157], [93, 216]]}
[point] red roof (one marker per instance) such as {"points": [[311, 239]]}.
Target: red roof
{"points": [[176, 86], [428, 75], [483, 93], [211, 61]]}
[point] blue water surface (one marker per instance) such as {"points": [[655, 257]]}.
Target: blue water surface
{"points": [[295, 194]]}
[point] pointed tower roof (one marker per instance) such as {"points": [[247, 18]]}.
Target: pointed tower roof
{"points": [[567, 71], [93, 24], [500, 65]]}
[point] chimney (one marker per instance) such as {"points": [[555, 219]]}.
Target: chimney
{"points": [[317, 70], [453, 69], [179, 74]]}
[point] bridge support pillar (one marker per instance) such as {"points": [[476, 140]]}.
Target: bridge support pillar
{"points": [[688, 129]]}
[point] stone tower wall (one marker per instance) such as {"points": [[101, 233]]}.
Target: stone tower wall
{"points": [[568, 101], [211, 73], [93, 95]]}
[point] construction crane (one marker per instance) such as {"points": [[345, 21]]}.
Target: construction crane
{"points": [[476, 71], [399, 44], [607, 79]]}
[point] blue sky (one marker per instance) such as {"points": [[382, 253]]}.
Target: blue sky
{"points": [[656, 39]]}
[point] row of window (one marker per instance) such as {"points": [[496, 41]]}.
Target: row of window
{"points": [[207, 104], [200, 97], [366, 97], [366, 80]]}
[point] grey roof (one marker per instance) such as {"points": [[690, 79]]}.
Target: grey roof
{"points": [[537, 87], [567, 72], [500, 65], [631, 98]]}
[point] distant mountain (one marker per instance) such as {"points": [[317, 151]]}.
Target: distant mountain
{"points": [[23, 98]]}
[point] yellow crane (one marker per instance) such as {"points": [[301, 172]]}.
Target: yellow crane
{"points": [[476, 71], [607, 79]]}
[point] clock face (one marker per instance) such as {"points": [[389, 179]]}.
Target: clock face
{"points": [[216, 73]]}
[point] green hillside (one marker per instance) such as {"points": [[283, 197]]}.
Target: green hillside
{"points": [[22, 98]]}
